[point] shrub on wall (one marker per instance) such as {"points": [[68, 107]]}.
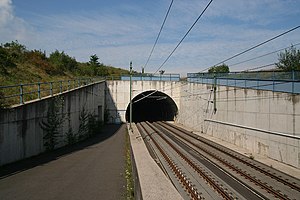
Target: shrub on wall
{"points": [[52, 125], [88, 126], [3, 103]]}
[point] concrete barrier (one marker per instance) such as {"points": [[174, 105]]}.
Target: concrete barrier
{"points": [[267, 122], [21, 132]]}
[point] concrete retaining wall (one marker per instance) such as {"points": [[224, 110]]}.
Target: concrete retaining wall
{"points": [[21, 135], [118, 98], [265, 110]]}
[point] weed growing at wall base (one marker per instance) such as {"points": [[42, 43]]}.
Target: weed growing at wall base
{"points": [[128, 171]]}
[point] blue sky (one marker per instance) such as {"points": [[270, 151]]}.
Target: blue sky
{"points": [[120, 31]]}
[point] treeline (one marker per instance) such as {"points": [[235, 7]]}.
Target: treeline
{"points": [[289, 60], [15, 57]]}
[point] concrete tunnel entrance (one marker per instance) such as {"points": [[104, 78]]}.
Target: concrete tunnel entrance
{"points": [[152, 106]]}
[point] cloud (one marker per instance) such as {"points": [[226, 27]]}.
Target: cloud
{"points": [[6, 12], [11, 27], [125, 32]]}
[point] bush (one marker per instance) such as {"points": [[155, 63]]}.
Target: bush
{"points": [[62, 61], [219, 69], [52, 126], [289, 60], [3, 103], [16, 51], [6, 60]]}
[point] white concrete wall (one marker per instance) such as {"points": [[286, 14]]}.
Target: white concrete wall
{"points": [[266, 110], [118, 98], [21, 135]]}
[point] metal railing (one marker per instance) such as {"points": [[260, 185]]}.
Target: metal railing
{"points": [[276, 81], [151, 77], [21, 93]]}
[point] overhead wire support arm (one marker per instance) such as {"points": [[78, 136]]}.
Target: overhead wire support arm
{"points": [[159, 33], [183, 37]]}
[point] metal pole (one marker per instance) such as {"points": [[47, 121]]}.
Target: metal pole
{"points": [[51, 89], [293, 79], [60, 87], [21, 94], [69, 84], [130, 93], [39, 90], [215, 95]]}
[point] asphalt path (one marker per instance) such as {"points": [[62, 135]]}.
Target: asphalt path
{"points": [[92, 169]]}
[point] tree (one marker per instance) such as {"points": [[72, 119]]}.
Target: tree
{"points": [[15, 51], [289, 59], [219, 69], [94, 63], [98, 69], [6, 60], [94, 60], [63, 61]]}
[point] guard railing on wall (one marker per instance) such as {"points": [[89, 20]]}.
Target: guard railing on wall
{"points": [[20, 93], [277, 81], [151, 77]]}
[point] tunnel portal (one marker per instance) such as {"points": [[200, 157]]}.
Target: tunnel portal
{"points": [[152, 106]]}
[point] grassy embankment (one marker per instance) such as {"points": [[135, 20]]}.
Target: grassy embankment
{"points": [[20, 65]]}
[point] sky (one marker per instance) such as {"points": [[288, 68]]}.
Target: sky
{"points": [[120, 31]]}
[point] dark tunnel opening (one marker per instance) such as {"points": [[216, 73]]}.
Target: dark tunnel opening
{"points": [[152, 106]]}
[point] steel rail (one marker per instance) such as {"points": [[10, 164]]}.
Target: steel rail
{"points": [[179, 174], [194, 166], [285, 182], [239, 171]]}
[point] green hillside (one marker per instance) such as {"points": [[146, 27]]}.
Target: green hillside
{"points": [[20, 65]]}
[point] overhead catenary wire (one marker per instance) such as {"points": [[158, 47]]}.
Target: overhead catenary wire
{"points": [[254, 47], [164, 89], [219, 91], [145, 96], [260, 67], [189, 30], [244, 61], [224, 99], [170, 87], [236, 88], [226, 90], [166, 16]]}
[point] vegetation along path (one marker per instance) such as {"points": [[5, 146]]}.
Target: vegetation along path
{"points": [[92, 169]]}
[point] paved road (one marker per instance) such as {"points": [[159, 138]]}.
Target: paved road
{"points": [[93, 169]]}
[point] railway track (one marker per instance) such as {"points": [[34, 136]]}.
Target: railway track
{"points": [[201, 169]]}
